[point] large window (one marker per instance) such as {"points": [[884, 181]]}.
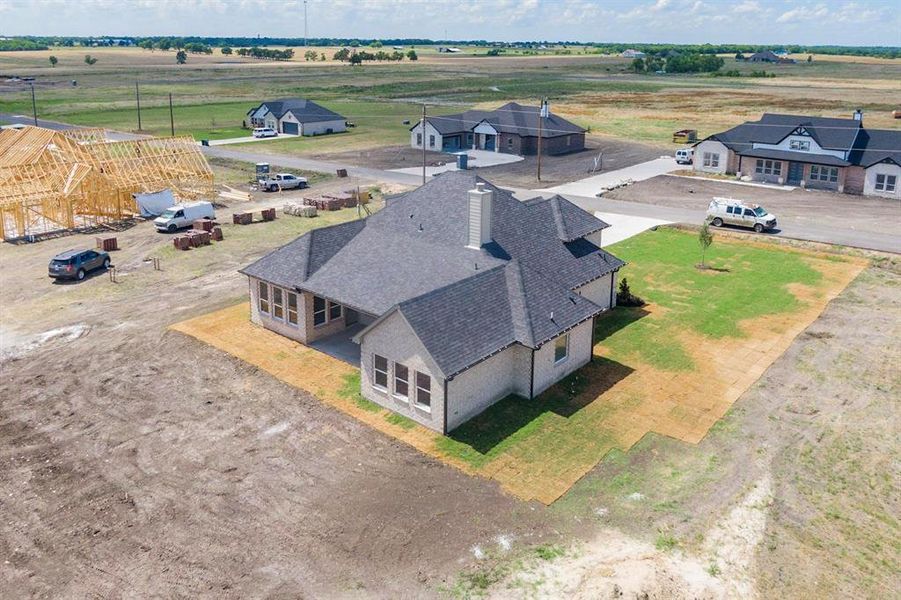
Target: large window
{"points": [[320, 316], [431, 141], [802, 145], [886, 183], [419, 139], [334, 311], [818, 173], [711, 159], [380, 372], [561, 348], [423, 390], [292, 308], [401, 381], [769, 167], [264, 297], [278, 303]]}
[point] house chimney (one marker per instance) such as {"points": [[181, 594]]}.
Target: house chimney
{"points": [[480, 200], [858, 115]]}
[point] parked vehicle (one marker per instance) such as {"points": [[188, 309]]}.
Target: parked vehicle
{"points": [[76, 264], [282, 181], [684, 156], [264, 132], [183, 215], [726, 211]]}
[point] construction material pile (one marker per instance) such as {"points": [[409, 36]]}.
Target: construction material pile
{"points": [[300, 210]]}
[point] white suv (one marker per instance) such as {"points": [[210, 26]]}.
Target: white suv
{"points": [[726, 211], [264, 132]]}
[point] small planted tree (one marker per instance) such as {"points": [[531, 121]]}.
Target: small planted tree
{"points": [[181, 57], [625, 297], [226, 50], [411, 54], [89, 60], [53, 61], [705, 240]]}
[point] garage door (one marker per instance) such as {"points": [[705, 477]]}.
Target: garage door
{"points": [[289, 128]]}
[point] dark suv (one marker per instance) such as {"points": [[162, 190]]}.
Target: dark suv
{"points": [[75, 264]]}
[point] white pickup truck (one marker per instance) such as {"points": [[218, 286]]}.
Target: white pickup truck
{"points": [[282, 181]]}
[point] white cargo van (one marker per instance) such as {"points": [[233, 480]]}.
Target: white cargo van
{"points": [[684, 156], [183, 215]]}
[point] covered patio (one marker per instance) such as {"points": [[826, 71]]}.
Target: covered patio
{"points": [[341, 345]]}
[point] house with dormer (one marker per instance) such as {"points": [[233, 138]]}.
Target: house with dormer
{"points": [[456, 294], [811, 152]]}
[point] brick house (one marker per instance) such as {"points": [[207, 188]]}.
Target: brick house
{"points": [[296, 116], [811, 152], [455, 295], [511, 128]]}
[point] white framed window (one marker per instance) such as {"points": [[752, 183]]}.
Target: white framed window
{"points": [[334, 311], [264, 297], [380, 372], [561, 348], [278, 303], [711, 159], [886, 183], [423, 390], [802, 145], [419, 139], [431, 141], [401, 381], [292, 308], [320, 314], [769, 167], [818, 173]]}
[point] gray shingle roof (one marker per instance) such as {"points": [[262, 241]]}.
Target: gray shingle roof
{"points": [[412, 255], [876, 145], [470, 320], [509, 118], [305, 111], [829, 133], [805, 157]]}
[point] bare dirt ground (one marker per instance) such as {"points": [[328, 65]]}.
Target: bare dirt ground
{"points": [[555, 170], [137, 461], [865, 213]]}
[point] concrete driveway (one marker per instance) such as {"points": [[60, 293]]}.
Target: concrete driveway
{"points": [[249, 138], [624, 226], [477, 159], [594, 185]]}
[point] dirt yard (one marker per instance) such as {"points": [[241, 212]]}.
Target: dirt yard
{"points": [[135, 460], [865, 213], [555, 170]]}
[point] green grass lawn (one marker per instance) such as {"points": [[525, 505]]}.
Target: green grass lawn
{"points": [[565, 422]]}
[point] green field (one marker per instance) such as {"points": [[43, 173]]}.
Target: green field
{"points": [[211, 94]]}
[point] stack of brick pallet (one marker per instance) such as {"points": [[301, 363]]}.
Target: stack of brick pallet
{"points": [[268, 214], [198, 237], [204, 224], [345, 199], [181, 242], [242, 218], [299, 210], [216, 233]]}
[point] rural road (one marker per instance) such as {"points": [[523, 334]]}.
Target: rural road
{"points": [[795, 229]]}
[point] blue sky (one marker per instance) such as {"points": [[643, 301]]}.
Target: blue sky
{"points": [[845, 22]]}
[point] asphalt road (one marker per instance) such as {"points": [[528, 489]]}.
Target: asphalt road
{"points": [[815, 232]]}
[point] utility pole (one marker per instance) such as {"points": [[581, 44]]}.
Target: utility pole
{"points": [[34, 106], [304, 23], [422, 126], [171, 116], [138, 98], [540, 120]]}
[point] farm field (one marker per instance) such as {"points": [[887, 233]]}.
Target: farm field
{"points": [[212, 93]]}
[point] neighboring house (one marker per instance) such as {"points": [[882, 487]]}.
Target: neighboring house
{"points": [[768, 56], [512, 129], [296, 116], [812, 152], [630, 53], [457, 293]]}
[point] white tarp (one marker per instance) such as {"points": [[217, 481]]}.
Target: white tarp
{"points": [[153, 204]]}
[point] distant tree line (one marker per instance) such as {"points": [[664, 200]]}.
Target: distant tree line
{"points": [[678, 63], [44, 42], [266, 53], [355, 57]]}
